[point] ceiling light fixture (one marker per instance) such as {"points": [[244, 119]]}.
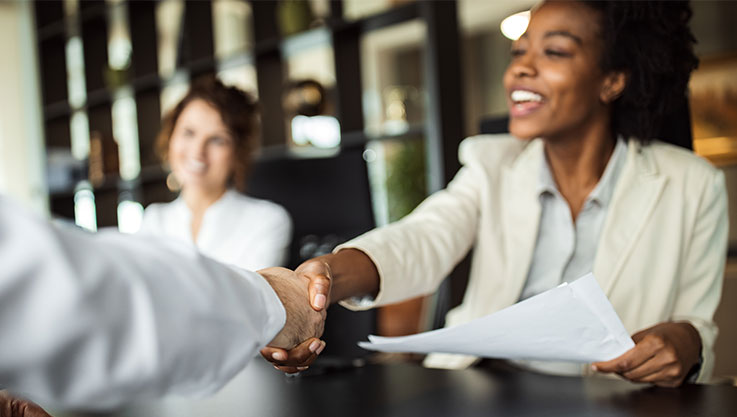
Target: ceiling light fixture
{"points": [[515, 25]]}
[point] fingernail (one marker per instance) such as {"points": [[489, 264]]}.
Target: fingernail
{"points": [[320, 300], [315, 345], [594, 368], [319, 349], [280, 356]]}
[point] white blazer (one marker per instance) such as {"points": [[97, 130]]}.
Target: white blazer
{"points": [[661, 254], [236, 229]]}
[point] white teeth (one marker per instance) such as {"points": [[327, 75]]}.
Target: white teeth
{"points": [[524, 95], [195, 166]]}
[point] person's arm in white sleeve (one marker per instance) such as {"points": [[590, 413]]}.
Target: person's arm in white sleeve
{"points": [[93, 321]]}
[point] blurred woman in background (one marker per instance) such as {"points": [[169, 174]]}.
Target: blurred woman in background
{"points": [[207, 140]]}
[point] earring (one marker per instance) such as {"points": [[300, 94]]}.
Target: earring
{"points": [[172, 183]]}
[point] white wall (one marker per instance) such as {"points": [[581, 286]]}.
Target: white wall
{"points": [[22, 158]]}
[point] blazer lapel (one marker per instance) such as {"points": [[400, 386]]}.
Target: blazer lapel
{"points": [[634, 199], [521, 216]]}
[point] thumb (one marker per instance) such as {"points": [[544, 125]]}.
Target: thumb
{"points": [[319, 290]]}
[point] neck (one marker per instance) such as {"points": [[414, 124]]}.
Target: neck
{"points": [[580, 159], [199, 199], [577, 163]]}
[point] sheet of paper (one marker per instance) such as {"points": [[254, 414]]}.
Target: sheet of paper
{"points": [[573, 322]]}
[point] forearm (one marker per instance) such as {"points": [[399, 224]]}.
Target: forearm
{"points": [[136, 318], [353, 274]]}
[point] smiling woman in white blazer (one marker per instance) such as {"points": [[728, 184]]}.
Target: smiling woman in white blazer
{"points": [[207, 141], [584, 188]]}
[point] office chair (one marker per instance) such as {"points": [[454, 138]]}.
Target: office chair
{"points": [[329, 201]]}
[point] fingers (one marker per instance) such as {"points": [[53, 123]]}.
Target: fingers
{"points": [[662, 356], [663, 378], [302, 356], [11, 406], [628, 361]]}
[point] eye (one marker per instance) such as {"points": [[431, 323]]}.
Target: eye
{"points": [[557, 53], [219, 140], [188, 133], [516, 52]]}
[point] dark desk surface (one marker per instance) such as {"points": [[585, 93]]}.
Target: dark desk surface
{"points": [[409, 390]]}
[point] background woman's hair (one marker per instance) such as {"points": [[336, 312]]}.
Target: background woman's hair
{"points": [[652, 42], [237, 109]]}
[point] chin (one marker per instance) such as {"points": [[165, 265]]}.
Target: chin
{"points": [[523, 132]]}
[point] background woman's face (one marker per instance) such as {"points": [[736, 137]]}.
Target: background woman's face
{"points": [[553, 81], [201, 149]]}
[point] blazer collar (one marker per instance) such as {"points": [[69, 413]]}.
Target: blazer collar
{"points": [[521, 214], [635, 196]]}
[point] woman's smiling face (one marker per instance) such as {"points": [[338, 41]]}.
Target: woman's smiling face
{"points": [[554, 82], [202, 149]]}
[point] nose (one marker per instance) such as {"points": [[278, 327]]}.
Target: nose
{"points": [[523, 66], [199, 149]]}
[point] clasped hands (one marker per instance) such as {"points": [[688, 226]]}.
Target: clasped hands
{"points": [[304, 324], [304, 294]]}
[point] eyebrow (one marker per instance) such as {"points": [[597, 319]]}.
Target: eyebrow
{"points": [[563, 33]]}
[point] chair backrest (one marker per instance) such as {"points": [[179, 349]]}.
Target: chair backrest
{"points": [[329, 200]]}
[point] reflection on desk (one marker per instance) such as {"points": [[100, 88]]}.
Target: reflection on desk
{"points": [[408, 390]]}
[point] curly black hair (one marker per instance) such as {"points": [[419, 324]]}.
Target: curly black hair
{"points": [[652, 42]]}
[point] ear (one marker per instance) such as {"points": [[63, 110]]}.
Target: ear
{"points": [[613, 86]]}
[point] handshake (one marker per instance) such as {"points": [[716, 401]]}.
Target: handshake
{"points": [[297, 345]]}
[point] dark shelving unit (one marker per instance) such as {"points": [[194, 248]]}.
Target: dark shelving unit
{"points": [[442, 129]]}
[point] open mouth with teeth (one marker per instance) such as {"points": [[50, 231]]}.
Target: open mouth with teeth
{"points": [[524, 102]]}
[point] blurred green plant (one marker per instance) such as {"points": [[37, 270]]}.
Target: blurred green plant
{"points": [[406, 182]]}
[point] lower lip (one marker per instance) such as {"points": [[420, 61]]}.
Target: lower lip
{"points": [[524, 109], [194, 171]]}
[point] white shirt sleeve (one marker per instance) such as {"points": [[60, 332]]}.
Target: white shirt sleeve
{"points": [[94, 321]]}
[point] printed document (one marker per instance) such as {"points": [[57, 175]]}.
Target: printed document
{"points": [[573, 323]]}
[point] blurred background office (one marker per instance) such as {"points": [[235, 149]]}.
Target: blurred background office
{"points": [[363, 104]]}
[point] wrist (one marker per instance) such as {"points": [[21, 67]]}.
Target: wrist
{"points": [[353, 274]]}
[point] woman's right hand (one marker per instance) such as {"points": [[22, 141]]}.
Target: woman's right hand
{"points": [[317, 271]]}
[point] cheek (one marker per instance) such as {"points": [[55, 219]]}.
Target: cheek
{"points": [[507, 78], [176, 150], [224, 157]]}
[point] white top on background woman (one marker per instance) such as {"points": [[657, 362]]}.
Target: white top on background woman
{"points": [[206, 140]]}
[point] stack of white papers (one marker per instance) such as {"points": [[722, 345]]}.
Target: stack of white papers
{"points": [[573, 323]]}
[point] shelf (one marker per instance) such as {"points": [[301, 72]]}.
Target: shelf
{"points": [[146, 82], [311, 39], [321, 36], [89, 10], [396, 15], [57, 110], [149, 174], [361, 137], [236, 59], [275, 152], [52, 30], [98, 97], [296, 43]]}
